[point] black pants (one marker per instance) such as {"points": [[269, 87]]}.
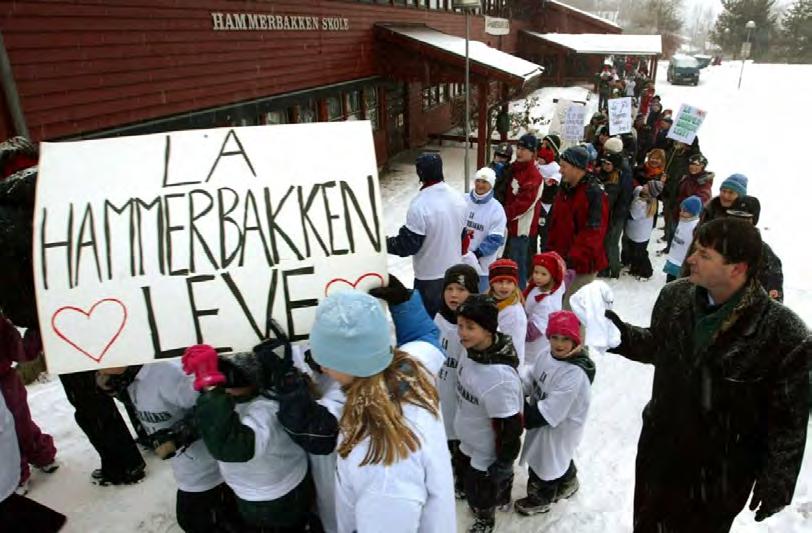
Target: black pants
{"points": [[547, 489], [431, 292], [639, 261], [211, 511], [287, 514], [18, 513], [98, 417], [482, 492]]}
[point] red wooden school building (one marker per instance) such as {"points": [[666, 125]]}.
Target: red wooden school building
{"points": [[95, 68]]}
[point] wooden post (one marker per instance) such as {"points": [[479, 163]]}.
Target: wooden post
{"points": [[482, 125], [505, 94]]}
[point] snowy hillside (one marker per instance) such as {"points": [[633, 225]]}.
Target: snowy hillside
{"points": [[759, 131]]}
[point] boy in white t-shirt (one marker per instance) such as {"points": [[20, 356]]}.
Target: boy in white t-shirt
{"points": [[459, 283], [555, 412], [163, 398], [488, 419]]}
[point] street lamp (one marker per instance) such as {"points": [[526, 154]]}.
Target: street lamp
{"points": [[467, 6], [746, 48]]}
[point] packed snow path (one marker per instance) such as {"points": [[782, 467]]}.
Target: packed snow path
{"points": [[759, 131]]}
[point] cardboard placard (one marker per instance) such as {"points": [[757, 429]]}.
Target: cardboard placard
{"points": [[573, 124], [620, 115], [686, 124], [146, 245]]}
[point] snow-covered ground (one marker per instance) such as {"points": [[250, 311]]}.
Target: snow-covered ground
{"points": [[759, 130]]}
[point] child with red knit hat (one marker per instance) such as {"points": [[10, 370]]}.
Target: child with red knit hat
{"points": [[503, 276], [555, 410], [543, 295]]}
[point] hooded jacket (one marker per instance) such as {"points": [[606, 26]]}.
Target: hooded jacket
{"points": [[522, 206], [728, 405], [578, 225]]}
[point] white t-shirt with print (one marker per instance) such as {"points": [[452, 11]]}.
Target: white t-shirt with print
{"points": [[562, 393], [438, 213], [513, 322], [484, 392], [447, 377], [538, 314], [483, 220], [163, 395]]}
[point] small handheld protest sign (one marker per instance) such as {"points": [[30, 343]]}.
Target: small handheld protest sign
{"points": [[573, 127], [686, 124], [620, 115], [146, 245]]}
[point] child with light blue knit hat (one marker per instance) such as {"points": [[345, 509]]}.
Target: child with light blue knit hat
{"points": [[689, 211]]}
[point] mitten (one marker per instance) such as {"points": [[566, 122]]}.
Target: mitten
{"points": [[394, 293], [201, 360]]}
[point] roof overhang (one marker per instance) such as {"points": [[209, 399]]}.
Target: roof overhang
{"points": [[419, 42], [603, 43]]}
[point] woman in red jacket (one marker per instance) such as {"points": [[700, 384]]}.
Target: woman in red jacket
{"points": [[697, 182]]}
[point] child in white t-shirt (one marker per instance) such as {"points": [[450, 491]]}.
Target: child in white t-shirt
{"points": [[488, 418], [689, 211], [554, 414], [504, 279], [543, 295], [460, 281]]}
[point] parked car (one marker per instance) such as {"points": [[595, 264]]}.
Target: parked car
{"points": [[703, 60], [683, 69]]}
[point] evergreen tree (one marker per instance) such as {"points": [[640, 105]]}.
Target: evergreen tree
{"points": [[796, 32], [730, 32]]}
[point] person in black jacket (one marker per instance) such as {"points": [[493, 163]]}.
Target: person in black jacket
{"points": [[728, 409], [617, 182]]}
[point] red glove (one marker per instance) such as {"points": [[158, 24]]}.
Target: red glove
{"points": [[201, 360]]}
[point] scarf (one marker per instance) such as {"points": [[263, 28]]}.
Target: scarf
{"points": [[481, 199], [501, 352], [514, 298], [582, 360]]}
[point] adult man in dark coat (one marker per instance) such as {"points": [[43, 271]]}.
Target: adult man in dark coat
{"points": [[728, 406], [579, 220]]}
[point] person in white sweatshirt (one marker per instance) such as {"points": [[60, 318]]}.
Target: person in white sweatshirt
{"points": [[543, 295], [504, 279], [638, 230], [555, 411], [163, 397], [689, 211], [393, 466], [460, 282], [485, 225]]}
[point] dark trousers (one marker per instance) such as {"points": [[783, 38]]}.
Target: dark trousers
{"points": [[547, 489], [99, 419], [210, 511], [518, 249], [611, 243], [431, 292], [482, 492], [18, 513], [603, 101], [288, 514], [36, 448], [639, 261]]}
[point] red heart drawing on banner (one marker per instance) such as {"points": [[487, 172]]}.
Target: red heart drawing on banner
{"points": [[65, 310], [351, 284]]}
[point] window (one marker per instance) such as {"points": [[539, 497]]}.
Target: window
{"points": [[334, 108], [371, 105], [307, 112], [277, 117], [353, 105]]}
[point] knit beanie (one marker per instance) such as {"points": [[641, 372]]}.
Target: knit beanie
{"points": [[554, 264], [463, 274], [482, 309], [576, 156], [351, 335], [503, 269], [529, 141], [692, 204], [429, 167], [487, 174], [655, 187], [613, 145], [554, 141], [736, 183], [566, 324]]}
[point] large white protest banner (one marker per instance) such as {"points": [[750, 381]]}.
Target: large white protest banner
{"points": [[573, 128], [146, 245], [686, 124], [620, 115]]}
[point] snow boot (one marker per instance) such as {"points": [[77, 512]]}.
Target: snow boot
{"points": [[130, 477], [532, 504], [22, 488], [50, 468], [482, 525]]}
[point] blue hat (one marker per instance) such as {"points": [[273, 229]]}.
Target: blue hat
{"points": [[351, 334], [576, 156], [693, 205], [528, 141], [736, 183], [429, 167]]}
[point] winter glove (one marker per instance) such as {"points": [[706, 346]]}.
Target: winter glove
{"points": [[309, 361], [500, 472], [201, 360], [276, 357], [166, 442], [766, 500], [532, 416], [394, 293]]}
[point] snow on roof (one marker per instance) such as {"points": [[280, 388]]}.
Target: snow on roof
{"points": [[605, 43], [478, 52], [585, 13]]}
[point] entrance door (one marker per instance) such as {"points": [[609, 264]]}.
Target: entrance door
{"points": [[396, 118]]}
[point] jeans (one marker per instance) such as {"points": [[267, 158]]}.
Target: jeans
{"points": [[518, 251], [612, 245], [431, 291]]}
